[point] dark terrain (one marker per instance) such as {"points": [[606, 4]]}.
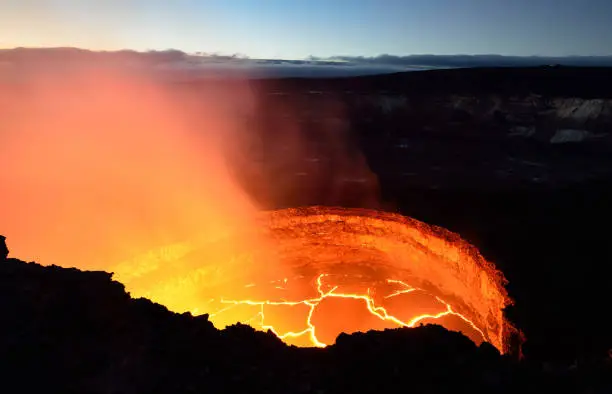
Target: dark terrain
{"points": [[71, 331], [517, 161]]}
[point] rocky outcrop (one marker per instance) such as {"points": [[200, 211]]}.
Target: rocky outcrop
{"points": [[3, 248], [572, 135], [71, 331]]}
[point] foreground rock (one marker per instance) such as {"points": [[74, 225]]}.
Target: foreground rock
{"points": [[70, 331]]}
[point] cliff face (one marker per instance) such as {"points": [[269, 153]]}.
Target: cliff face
{"points": [[508, 113], [448, 130], [497, 118]]}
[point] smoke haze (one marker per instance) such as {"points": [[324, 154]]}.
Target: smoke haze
{"points": [[100, 166], [104, 164]]}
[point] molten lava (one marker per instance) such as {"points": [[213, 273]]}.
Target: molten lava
{"points": [[309, 274]]}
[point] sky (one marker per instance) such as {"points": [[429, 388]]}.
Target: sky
{"points": [[296, 29]]}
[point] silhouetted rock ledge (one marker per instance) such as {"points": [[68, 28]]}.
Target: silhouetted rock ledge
{"points": [[70, 331], [3, 248]]}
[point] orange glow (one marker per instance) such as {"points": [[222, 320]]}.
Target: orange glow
{"points": [[370, 304], [116, 173], [333, 270], [100, 166]]}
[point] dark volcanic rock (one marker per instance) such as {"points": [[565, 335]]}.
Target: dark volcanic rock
{"points": [[3, 248], [71, 331]]}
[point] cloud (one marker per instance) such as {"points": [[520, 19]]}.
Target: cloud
{"points": [[174, 64], [476, 60], [30, 57]]}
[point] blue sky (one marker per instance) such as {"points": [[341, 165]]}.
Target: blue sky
{"points": [[295, 29]]}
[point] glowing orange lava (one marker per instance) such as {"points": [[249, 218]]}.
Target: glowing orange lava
{"points": [[370, 304], [340, 270]]}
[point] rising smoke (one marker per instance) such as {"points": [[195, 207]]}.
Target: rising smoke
{"points": [[102, 164]]}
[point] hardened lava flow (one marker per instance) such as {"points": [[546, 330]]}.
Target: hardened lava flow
{"points": [[308, 274]]}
